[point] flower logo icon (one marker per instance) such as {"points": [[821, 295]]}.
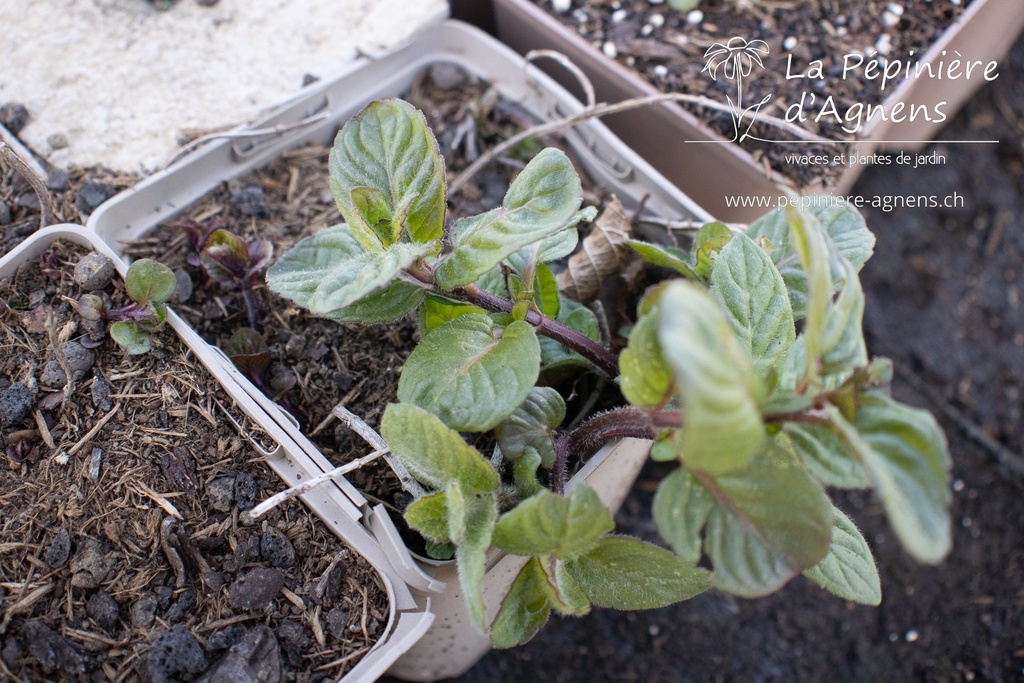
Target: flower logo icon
{"points": [[736, 60]]}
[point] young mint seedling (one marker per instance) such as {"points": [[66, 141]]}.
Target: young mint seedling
{"points": [[230, 260], [149, 284], [748, 371]]}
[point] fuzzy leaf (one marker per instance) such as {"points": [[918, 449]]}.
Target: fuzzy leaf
{"points": [[627, 573], [531, 425], [149, 282], [429, 516], [666, 257], [130, 337], [436, 311], [842, 341], [808, 241], [472, 373], [707, 244], [549, 524], [848, 570], [681, 509], [330, 270], [826, 457], [384, 305], [904, 452], [524, 473], [434, 454], [578, 317], [644, 375], [715, 381], [525, 608], [771, 521], [386, 166], [543, 199], [751, 291], [225, 256], [481, 512]]}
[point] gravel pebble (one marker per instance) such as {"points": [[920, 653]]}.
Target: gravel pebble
{"points": [[92, 194], [94, 271], [256, 589], [251, 201], [5, 213], [53, 650], [173, 653], [256, 657], [101, 391], [221, 493], [245, 491], [276, 548], [337, 621], [447, 76], [142, 612], [104, 610], [53, 375], [60, 549], [295, 639], [57, 179], [91, 565], [15, 404], [13, 116]]}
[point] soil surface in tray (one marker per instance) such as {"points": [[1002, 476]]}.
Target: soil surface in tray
{"points": [[122, 552], [667, 48], [944, 301], [324, 362]]}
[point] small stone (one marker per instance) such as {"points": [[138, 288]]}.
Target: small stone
{"points": [[895, 8], [655, 2], [142, 612], [12, 652], [619, 15], [92, 194], [883, 44], [53, 375], [256, 657], [327, 588], [104, 610], [101, 391], [609, 50], [60, 549], [656, 20], [257, 589], [695, 17], [245, 491], [52, 650], [173, 653], [251, 201], [561, 6], [447, 75], [57, 179], [15, 404], [221, 493], [646, 30], [29, 200], [660, 71], [295, 639], [337, 622], [13, 117], [224, 638], [94, 271], [80, 359], [182, 286], [91, 565], [789, 43], [276, 548], [57, 141], [889, 19], [5, 214], [185, 602], [911, 636]]}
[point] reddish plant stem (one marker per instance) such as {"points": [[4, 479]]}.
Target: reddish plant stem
{"points": [[616, 424], [606, 362]]}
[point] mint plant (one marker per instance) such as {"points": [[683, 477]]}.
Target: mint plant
{"points": [[230, 260], [149, 285], [749, 371]]}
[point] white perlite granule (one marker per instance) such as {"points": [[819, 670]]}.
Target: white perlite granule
{"points": [[119, 79]]}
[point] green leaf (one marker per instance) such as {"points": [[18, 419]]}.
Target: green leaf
{"points": [[842, 340], [549, 524], [552, 248], [148, 281], [751, 291], [578, 317], [384, 305], [439, 551], [436, 311], [666, 257], [434, 454], [429, 516], [472, 373], [545, 291], [330, 270], [130, 337], [808, 241], [531, 425], [387, 156], [524, 473], [481, 512], [708, 232], [848, 570], [681, 509], [225, 256], [644, 375], [565, 594], [525, 608], [715, 381], [543, 199], [707, 254], [826, 457], [770, 522], [904, 452], [627, 573], [457, 507]]}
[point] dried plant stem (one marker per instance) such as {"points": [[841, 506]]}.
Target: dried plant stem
{"points": [[299, 489], [376, 441], [605, 109], [8, 154], [94, 431]]}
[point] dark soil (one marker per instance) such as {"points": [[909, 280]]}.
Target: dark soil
{"points": [[944, 302], [668, 49], [122, 552]]}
